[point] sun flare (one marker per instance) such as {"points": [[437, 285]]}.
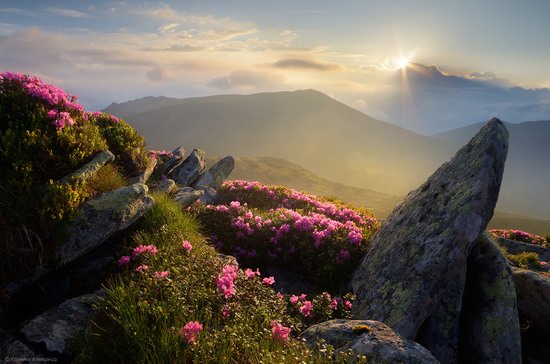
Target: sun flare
{"points": [[402, 62]]}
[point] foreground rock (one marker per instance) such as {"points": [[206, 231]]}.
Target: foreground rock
{"points": [[101, 217], [10, 347], [144, 176], [187, 196], [490, 324], [163, 186], [533, 294], [373, 339], [55, 327], [177, 158], [425, 242], [190, 169], [216, 175]]}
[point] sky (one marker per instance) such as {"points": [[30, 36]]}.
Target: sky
{"points": [[428, 66]]}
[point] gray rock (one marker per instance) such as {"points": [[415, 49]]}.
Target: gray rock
{"points": [[517, 247], [143, 177], [533, 295], [164, 186], [90, 169], [13, 349], [177, 158], [101, 217], [209, 195], [380, 344], [215, 176], [188, 171], [426, 240], [187, 196], [227, 259], [490, 330], [56, 326]]}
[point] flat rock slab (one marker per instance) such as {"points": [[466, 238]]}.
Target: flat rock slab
{"points": [[517, 247], [55, 327], [373, 339], [164, 186], [426, 240], [91, 168], [101, 217], [187, 196]]}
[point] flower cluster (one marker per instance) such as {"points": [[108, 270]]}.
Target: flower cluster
{"points": [[141, 249], [190, 331], [156, 154], [518, 235], [279, 332], [226, 281]]}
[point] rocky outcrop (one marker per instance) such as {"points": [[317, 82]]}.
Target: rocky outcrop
{"points": [[55, 327], [190, 169], [373, 339], [215, 176], [490, 331], [101, 217], [533, 295], [144, 176], [425, 242], [12, 349], [187, 196], [164, 186], [175, 160], [90, 169], [517, 247]]}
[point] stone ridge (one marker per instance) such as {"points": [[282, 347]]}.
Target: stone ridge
{"points": [[426, 240]]}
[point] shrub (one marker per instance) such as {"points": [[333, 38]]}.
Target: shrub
{"points": [[519, 235], [525, 260], [261, 226]]}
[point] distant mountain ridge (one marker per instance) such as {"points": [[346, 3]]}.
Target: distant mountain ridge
{"points": [[335, 141]]}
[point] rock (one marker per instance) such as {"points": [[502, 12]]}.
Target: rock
{"points": [[188, 171], [90, 169], [490, 331], [15, 350], [376, 341], [56, 326], [187, 196], [426, 240], [164, 186], [215, 176], [101, 217], [209, 195], [143, 177], [227, 259], [174, 161], [517, 247], [533, 295]]}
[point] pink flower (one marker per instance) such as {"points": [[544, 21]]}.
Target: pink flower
{"points": [[142, 268], [268, 281], [334, 304], [347, 305], [124, 260], [294, 299], [543, 263], [160, 275], [250, 273], [225, 281], [226, 313], [280, 296], [190, 331], [187, 246], [279, 332], [151, 249], [306, 308]]}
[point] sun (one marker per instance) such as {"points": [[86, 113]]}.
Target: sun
{"points": [[402, 62]]}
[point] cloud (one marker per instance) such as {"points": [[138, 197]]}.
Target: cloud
{"points": [[298, 63], [67, 12], [247, 79], [160, 74], [168, 28]]}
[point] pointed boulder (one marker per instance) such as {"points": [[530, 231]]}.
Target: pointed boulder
{"points": [[426, 240], [188, 171], [215, 176]]}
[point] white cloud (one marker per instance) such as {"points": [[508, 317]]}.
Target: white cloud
{"points": [[247, 79], [160, 74], [67, 12]]}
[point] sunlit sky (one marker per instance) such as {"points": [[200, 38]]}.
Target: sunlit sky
{"points": [[109, 51]]}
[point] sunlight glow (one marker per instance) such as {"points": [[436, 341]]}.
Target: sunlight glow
{"points": [[402, 62]]}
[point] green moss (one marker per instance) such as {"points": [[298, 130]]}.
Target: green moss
{"points": [[525, 260], [360, 329]]}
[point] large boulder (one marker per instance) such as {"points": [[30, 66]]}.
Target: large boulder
{"points": [[425, 242], [188, 171], [533, 294], [187, 196], [490, 331], [215, 176], [101, 217], [175, 160], [373, 339], [14, 349], [54, 328], [144, 176]]}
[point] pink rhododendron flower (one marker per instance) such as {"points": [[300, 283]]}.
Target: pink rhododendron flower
{"points": [[142, 268], [348, 305], [124, 260], [190, 331], [160, 275], [306, 308], [250, 273], [225, 281], [268, 281], [187, 246], [151, 249], [334, 304], [294, 299], [279, 332], [280, 296], [543, 263]]}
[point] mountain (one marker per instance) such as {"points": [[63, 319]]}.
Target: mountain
{"points": [[276, 171], [526, 182], [306, 127]]}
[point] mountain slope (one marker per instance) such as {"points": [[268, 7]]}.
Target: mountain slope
{"points": [[525, 186], [307, 127]]}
